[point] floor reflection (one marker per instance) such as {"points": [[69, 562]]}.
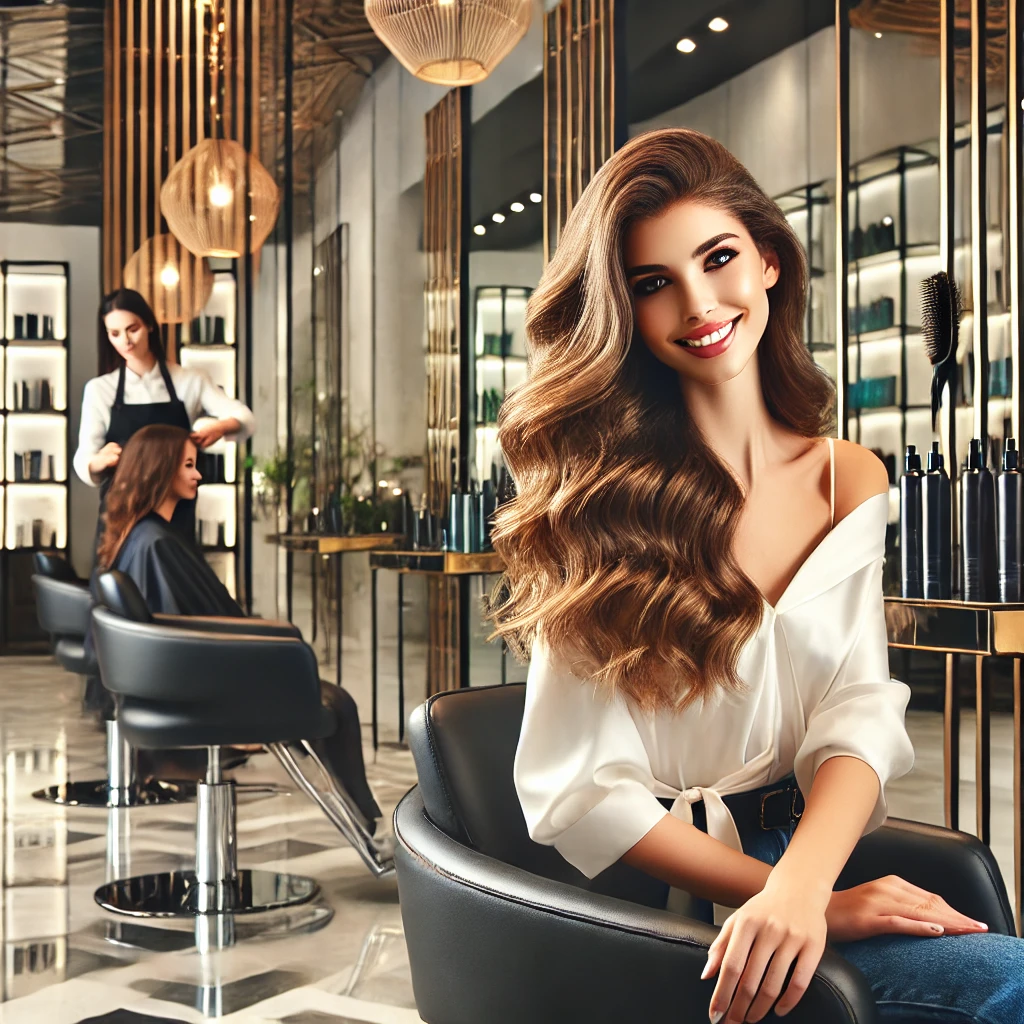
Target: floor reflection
{"points": [[65, 960]]}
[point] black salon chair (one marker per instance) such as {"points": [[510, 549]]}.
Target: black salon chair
{"points": [[192, 681], [503, 930], [63, 606]]}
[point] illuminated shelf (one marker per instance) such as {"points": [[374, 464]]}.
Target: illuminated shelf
{"points": [[33, 433], [218, 502]]}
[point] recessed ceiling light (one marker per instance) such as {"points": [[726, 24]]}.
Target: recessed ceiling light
{"points": [[479, 230], [518, 207], [878, 35], [535, 197], [498, 218], [718, 24], [686, 46]]}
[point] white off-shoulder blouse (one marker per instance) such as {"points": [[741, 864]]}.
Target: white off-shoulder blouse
{"points": [[590, 769]]}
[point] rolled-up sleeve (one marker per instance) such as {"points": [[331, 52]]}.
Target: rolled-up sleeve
{"points": [[215, 403], [92, 431], [862, 713], [581, 771]]}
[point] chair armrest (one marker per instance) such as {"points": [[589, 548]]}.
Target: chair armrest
{"points": [[954, 865], [229, 624], [491, 942]]}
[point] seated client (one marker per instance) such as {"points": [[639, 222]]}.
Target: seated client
{"points": [[157, 469]]}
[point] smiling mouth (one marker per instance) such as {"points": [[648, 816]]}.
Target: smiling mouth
{"points": [[714, 338]]}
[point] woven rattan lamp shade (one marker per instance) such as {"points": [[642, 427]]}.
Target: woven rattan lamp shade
{"points": [[204, 201], [450, 42], [175, 283]]}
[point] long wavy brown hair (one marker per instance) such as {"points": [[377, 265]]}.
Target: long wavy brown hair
{"points": [[618, 546], [143, 478]]}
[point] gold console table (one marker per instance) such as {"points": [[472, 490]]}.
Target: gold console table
{"points": [[424, 563], [335, 546], [981, 630]]}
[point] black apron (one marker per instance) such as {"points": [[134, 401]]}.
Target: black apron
{"points": [[125, 420]]}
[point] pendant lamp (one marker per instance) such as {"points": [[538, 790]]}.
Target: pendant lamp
{"points": [[450, 42], [175, 283], [204, 200]]}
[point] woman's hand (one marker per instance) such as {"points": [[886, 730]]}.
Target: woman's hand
{"points": [[211, 433], [892, 906], [782, 925], [106, 458]]}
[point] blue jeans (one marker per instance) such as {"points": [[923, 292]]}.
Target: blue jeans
{"points": [[952, 979]]}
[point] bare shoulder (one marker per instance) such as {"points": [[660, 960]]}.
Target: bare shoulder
{"points": [[860, 475]]}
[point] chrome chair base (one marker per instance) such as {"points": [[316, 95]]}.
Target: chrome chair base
{"points": [[98, 793], [178, 894]]}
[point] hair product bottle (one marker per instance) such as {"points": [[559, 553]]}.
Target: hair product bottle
{"points": [[978, 527], [936, 521], [1009, 493], [911, 551]]}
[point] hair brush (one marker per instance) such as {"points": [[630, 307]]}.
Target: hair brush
{"points": [[940, 325]]}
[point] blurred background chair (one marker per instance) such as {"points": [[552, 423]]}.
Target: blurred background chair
{"points": [[63, 605]]}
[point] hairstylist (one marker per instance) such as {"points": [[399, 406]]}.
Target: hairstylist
{"points": [[143, 390]]}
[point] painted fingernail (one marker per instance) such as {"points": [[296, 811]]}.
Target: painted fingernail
{"points": [[706, 973], [937, 928], [981, 924], [716, 1016]]}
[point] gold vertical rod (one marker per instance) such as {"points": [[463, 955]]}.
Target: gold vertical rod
{"points": [[1013, 117], [947, 241], [842, 214], [546, 207], [951, 743], [201, 100], [109, 127], [132, 238], [591, 102], [1018, 785], [145, 115], [173, 63], [608, 121], [979, 220], [159, 62]]}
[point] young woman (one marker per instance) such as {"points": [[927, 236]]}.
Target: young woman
{"points": [[157, 471], [695, 567], [143, 388]]}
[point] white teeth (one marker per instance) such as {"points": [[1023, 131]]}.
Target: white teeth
{"points": [[709, 339]]}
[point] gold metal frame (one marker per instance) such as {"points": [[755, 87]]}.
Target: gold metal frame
{"points": [[579, 105]]}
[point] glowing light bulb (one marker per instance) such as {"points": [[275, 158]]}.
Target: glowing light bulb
{"points": [[686, 46], [718, 24], [220, 194], [535, 197], [169, 276], [498, 218], [517, 207], [479, 230]]}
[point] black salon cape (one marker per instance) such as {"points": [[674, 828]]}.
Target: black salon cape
{"points": [[171, 574]]}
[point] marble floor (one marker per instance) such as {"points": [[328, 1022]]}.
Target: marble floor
{"points": [[339, 960]]}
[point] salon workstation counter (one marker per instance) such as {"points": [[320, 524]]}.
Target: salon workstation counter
{"points": [[982, 630]]}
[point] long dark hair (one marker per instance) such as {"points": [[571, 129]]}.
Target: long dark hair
{"points": [[131, 302], [143, 478], [618, 546]]}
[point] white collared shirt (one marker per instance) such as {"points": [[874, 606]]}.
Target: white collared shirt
{"points": [[199, 395], [590, 769]]}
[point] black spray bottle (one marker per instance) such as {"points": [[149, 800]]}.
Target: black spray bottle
{"points": [[978, 528], [937, 522], [1009, 495], [911, 550]]}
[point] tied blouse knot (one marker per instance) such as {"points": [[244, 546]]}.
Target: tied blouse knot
{"points": [[591, 768]]}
